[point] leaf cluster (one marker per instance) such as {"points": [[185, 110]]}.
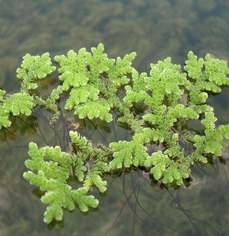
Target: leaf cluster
{"points": [[92, 82], [15, 104], [157, 107], [52, 170]]}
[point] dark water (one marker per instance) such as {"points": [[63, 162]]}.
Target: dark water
{"points": [[154, 29]]}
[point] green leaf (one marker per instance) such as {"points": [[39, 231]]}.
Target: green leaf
{"points": [[34, 68], [79, 167], [4, 118], [94, 176], [127, 154], [19, 104], [81, 95], [194, 66], [157, 172], [93, 110], [83, 200], [95, 179], [49, 169]]}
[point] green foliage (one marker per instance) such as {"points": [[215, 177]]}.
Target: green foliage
{"points": [[15, 104], [92, 81], [157, 107], [94, 177], [50, 170], [127, 154], [208, 75], [169, 171], [19, 103], [34, 68]]}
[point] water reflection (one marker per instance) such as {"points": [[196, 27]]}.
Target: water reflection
{"points": [[132, 205]]}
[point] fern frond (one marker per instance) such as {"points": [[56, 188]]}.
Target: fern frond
{"points": [[34, 68], [49, 169], [19, 103]]}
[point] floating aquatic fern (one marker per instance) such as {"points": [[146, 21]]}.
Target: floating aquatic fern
{"points": [[92, 81], [50, 170], [156, 107], [33, 69], [15, 104]]}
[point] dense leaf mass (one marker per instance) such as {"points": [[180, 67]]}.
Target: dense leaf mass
{"points": [[157, 107], [50, 170], [34, 68], [92, 81], [15, 104]]}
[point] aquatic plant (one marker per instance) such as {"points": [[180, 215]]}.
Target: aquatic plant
{"points": [[157, 107]]}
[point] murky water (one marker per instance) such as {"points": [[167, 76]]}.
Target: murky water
{"points": [[132, 205]]}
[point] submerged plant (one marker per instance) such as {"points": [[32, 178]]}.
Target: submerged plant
{"points": [[157, 107]]}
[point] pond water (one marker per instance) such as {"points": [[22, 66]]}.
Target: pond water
{"points": [[154, 29]]}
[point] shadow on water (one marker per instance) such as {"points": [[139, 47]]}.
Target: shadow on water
{"points": [[133, 204]]}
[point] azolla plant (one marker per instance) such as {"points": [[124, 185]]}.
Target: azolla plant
{"points": [[157, 107]]}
